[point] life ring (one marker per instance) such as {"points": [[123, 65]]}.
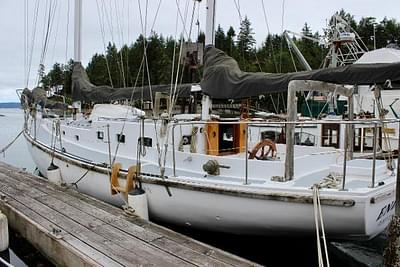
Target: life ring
{"points": [[261, 145]]}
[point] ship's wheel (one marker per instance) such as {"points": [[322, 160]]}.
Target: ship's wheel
{"points": [[268, 150]]}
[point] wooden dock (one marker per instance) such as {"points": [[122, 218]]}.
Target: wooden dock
{"points": [[72, 229]]}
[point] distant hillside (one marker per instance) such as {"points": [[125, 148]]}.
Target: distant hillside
{"points": [[10, 105]]}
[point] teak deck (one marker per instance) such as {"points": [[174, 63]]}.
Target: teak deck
{"points": [[72, 229]]}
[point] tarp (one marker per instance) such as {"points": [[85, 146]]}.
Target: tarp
{"points": [[84, 90], [382, 55], [38, 96], [115, 112], [223, 79]]}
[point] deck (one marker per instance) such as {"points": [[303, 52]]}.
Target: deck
{"points": [[72, 229]]}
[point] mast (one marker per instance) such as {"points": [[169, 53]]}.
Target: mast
{"points": [[206, 102], [299, 55], [77, 51], [210, 23], [78, 31]]}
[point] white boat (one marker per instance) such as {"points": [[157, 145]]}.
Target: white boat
{"points": [[198, 172]]}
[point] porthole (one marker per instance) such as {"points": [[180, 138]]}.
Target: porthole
{"points": [[100, 135], [121, 138]]}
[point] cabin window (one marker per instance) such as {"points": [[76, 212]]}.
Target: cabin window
{"points": [[226, 144], [304, 139], [163, 103], [100, 135], [330, 135], [147, 141], [271, 135], [147, 105], [63, 132], [77, 137], [121, 138]]}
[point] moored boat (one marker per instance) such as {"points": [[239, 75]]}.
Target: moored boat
{"points": [[207, 172]]}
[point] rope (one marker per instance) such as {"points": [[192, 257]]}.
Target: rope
{"points": [[175, 96], [283, 20], [101, 23], [379, 103], [273, 103], [319, 224], [4, 149], [271, 44], [291, 56], [25, 38], [193, 143], [83, 176], [67, 33], [48, 26], [5, 263], [30, 53], [137, 78], [56, 34]]}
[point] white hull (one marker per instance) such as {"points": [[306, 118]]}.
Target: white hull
{"points": [[233, 210]]}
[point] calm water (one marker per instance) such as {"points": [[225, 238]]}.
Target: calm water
{"points": [[11, 124], [270, 251]]}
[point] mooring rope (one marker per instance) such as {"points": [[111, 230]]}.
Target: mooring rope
{"points": [[319, 223], [3, 150]]}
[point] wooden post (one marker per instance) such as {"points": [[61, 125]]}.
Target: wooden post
{"points": [[391, 255], [290, 130], [298, 86]]}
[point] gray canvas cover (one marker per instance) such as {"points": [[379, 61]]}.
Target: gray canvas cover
{"points": [[223, 79], [84, 90], [38, 96]]}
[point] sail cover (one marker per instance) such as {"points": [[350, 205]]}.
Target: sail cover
{"points": [[84, 90], [223, 79]]}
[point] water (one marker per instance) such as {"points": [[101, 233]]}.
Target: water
{"points": [[11, 124], [270, 251]]}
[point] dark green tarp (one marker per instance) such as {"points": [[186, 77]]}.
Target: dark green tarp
{"points": [[223, 79], [84, 90]]}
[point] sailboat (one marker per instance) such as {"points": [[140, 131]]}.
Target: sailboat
{"points": [[205, 172]]}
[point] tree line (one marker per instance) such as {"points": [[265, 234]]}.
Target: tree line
{"points": [[126, 67]]}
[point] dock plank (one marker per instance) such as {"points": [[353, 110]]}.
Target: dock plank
{"points": [[35, 227], [107, 235], [108, 246]]}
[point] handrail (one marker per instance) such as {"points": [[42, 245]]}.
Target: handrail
{"points": [[371, 122], [308, 122]]}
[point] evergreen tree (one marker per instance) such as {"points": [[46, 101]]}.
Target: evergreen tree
{"points": [[97, 70], [245, 39], [229, 42], [220, 38], [201, 38]]}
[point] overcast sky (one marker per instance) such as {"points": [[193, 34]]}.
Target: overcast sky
{"points": [[12, 17]]}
